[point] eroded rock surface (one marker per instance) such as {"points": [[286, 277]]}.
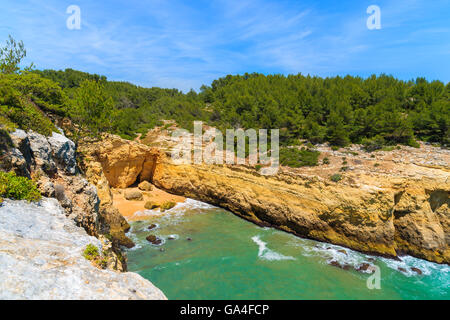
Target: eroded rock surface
{"points": [[41, 257], [52, 162], [391, 209]]}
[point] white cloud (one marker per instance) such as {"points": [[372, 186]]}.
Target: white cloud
{"points": [[179, 44]]}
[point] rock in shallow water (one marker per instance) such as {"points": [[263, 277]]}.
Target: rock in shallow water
{"points": [[41, 257], [154, 239]]}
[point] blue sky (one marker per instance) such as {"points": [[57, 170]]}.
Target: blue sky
{"points": [[184, 44]]}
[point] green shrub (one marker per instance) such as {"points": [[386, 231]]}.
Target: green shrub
{"points": [[336, 177], [292, 157], [18, 188], [372, 144], [23, 98], [326, 160], [90, 252], [334, 148], [388, 148], [413, 143]]}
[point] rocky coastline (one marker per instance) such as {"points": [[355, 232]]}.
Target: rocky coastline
{"points": [[42, 244], [405, 210], [389, 213]]}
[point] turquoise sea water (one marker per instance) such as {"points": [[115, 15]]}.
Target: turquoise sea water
{"points": [[230, 258]]}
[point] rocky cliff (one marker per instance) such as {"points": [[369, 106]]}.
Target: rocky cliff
{"points": [[41, 245], [114, 162], [52, 162], [41, 257], [393, 217], [405, 210]]}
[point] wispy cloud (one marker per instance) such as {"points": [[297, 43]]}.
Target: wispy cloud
{"points": [[186, 44]]}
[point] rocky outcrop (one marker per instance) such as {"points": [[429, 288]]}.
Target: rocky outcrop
{"points": [[118, 163], [394, 217], [122, 162], [64, 152], [51, 162], [41, 257], [376, 213]]}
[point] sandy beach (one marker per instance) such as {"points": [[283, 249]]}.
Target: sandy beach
{"points": [[129, 207]]}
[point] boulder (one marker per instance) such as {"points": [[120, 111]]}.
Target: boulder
{"points": [[167, 205], [416, 270], [335, 263], [152, 226], [363, 267], [42, 152], [145, 186], [64, 151], [150, 205], [47, 189], [133, 195], [154, 239]]}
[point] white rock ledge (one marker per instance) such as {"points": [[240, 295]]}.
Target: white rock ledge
{"points": [[41, 257]]}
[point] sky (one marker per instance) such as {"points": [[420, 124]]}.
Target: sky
{"points": [[184, 44]]}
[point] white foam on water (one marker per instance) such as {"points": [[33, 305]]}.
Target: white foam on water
{"points": [[267, 254], [172, 237], [132, 235], [426, 267], [331, 252], [180, 208], [191, 204]]}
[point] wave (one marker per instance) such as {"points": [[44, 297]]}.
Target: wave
{"points": [[426, 267], [179, 208], [267, 254], [172, 237], [191, 204]]}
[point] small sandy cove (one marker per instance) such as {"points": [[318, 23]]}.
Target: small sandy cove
{"points": [[129, 207]]}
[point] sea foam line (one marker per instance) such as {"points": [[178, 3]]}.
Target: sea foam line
{"points": [[267, 254]]}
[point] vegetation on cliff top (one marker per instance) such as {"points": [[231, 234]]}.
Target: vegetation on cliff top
{"points": [[378, 111], [91, 253], [18, 188], [296, 158], [25, 96]]}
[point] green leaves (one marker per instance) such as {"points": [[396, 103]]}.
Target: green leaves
{"points": [[92, 107], [18, 188], [339, 110], [296, 158], [23, 98], [11, 55]]}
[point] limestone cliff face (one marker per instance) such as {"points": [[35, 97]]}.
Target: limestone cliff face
{"points": [[399, 217], [121, 162], [41, 257], [379, 214], [52, 163], [114, 162]]}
